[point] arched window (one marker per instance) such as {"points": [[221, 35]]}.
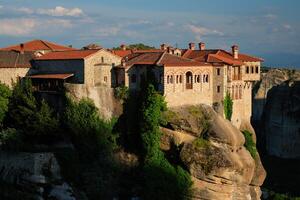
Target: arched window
{"points": [[102, 59], [198, 78], [247, 70], [252, 70], [168, 79], [180, 79], [256, 69], [171, 79], [189, 80], [206, 79]]}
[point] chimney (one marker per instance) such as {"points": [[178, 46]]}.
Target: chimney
{"points": [[163, 46], [22, 48], [192, 46], [201, 46], [123, 47], [169, 50], [235, 51]]}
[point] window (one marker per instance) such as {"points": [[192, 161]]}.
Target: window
{"points": [[171, 79], [168, 79], [105, 79], [102, 59], [206, 79], [133, 78], [180, 79], [177, 79], [247, 70], [198, 78], [218, 89], [256, 69], [218, 71], [252, 70]]}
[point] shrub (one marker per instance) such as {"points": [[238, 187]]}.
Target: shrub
{"points": [[201, 143], [5, 93], [121, 93], [249, 143], [228, 103]]}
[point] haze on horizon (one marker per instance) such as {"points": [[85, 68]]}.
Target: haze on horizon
{"points": [[268, 29]]}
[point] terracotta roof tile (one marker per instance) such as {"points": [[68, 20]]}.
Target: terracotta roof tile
{"points": [[13, 59], [68, 55], [36, 45]]}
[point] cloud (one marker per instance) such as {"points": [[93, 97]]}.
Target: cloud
{"points": [[17, 27], [287, 26], [59, 11], [108, 31], [271, 16], [200, 31], [25, 10]]}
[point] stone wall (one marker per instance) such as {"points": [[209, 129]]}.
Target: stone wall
{"points": [[98, 66], [11, 75], [176, 92]]}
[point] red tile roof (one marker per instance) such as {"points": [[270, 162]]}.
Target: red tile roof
{"points": [[162, 58], [218, 56], [68, 55], [36, 45], [51, 76], [13, 59]]}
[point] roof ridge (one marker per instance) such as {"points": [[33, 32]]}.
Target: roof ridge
{"points": [[160, 58]]}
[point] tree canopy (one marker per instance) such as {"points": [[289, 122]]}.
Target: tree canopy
{"points": [[138, 46]]}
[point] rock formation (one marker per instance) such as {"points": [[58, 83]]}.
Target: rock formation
{"points": [[220, 165], [276, 113]]}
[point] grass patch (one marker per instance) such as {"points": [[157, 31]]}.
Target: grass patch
{"points": [[249, 143], [201, 143]]}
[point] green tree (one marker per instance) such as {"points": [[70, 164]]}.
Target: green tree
{"points": [[160, 176], [228, 104], [89, 132], [5, 93], [138, 46], [27, 115]]}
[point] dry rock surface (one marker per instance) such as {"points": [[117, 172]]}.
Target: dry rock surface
{"points": [[276, 112], [220, 166]]}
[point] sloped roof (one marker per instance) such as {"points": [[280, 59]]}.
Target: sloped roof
{"points": [[162, 58], [14, 59], [51, 76], [218, 56], [38, 45], [68, 55]]}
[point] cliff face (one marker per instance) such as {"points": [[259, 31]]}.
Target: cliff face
{"points": [[220, 166], [276, 113]]}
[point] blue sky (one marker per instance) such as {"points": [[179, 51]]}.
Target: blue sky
{"points": [[265, 28]]}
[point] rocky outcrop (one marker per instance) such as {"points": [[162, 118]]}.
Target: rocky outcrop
{"points": [[102, 96], [220, 165], [34, 175], [276, 113]]}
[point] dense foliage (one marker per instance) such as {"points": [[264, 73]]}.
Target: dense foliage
{"points": [[26, 114], [139, 46], [5, 93], [160, 176], [89, 132], [249, 143], [228, 104]]}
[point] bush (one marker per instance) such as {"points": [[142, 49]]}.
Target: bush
{"points": [[249, 143], [228, 104], [5, 93], [201, 143], [10, 139]]}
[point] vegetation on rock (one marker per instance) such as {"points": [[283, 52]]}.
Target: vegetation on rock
{"points": [[228, 104], [160, 176], [249, 143]]}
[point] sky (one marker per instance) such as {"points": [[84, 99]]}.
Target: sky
{"points": [[265, 28]]}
